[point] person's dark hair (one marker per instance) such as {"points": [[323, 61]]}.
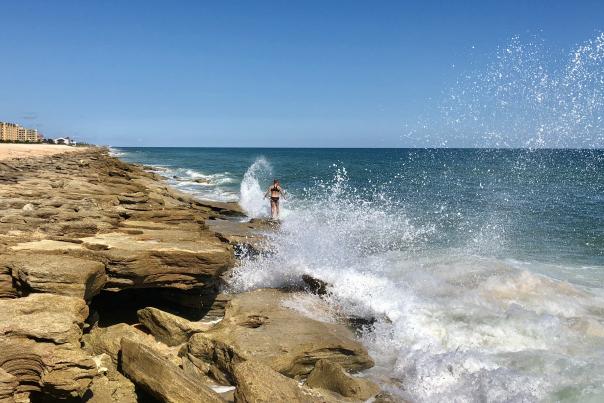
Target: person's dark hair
{"points": [[275, 180]]}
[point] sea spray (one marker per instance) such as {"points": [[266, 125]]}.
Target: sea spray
{"points": [[451, 326], [252, 193], [528, 95], [444, 251]]}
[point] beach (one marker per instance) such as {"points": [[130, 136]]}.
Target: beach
{"points": [[9, 151], [111, 289]]}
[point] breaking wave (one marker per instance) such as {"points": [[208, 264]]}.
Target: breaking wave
{"points": [[451, 325], [251, 195]]}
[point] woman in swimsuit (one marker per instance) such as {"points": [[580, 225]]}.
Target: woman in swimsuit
{"points": [[275, 191]]}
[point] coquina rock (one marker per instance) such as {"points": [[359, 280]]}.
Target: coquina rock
{"points": [[108, 212], [47, 317], [110, 385], [7, 289], [40, 339], [258, 383], [108, 340], [8, 386], [161, 378], [56, 274], [168, 328], [257, 326], [331, 376]]}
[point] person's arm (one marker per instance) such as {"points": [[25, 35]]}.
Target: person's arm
{"points": [[267, 192], [283, 193]]}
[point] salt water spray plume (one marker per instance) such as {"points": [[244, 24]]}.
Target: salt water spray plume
{"points": [[251, 192]]}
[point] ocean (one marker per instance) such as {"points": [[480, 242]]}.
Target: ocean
{"points": [[483, 267]]}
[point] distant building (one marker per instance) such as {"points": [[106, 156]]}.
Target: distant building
{"points": [[9, 131], [65, 140], [15, 132]]}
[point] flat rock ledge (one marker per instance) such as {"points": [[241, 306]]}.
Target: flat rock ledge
{"points": [[78, 230]]}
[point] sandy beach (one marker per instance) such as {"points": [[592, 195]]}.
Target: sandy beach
{"points": [[9, 151]]}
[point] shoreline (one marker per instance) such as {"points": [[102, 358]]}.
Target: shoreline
{"points": [[10, 151], [109, 269]]}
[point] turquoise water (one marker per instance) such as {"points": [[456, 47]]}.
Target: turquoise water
{"points": [[487, 266]]}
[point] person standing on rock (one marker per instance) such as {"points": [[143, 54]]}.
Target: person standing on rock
{"points": [[275, 191]]}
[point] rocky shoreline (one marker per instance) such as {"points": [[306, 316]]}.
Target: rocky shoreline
{"points": [[110, 291]]}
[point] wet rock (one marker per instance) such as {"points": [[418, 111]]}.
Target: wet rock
{"points": [[331, 376], [161, 378], [247, 237], [57, 274], [257, 326], [315, 285], [257, 383], [168, 328]]}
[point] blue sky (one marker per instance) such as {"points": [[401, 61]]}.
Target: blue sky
{"points": [[255, 73]]}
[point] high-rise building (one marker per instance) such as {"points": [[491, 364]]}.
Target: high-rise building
{"points": [[15, 132], [9, 131]]}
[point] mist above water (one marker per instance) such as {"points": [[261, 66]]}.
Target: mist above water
{"points": [[528, 95]]}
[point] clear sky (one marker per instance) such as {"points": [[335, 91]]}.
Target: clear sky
{"points": [[254, 73]]}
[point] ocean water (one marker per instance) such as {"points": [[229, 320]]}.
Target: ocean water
{"points": [[483, 267]]}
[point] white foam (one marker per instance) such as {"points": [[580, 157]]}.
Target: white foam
{"points": [[251, 195], [451, 326]]}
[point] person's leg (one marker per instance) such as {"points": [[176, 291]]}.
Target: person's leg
{"points": [[277, 209], [273, 208]]}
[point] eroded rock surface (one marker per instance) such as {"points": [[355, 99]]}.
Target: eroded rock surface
{"points": [[106, 212], [331, 376], [40, 338], [257, 326], [86, 227], [47, 317], [56, 274], [161, 378], [258, 383], [168, 328]]}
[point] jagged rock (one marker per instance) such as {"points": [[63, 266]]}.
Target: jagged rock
{"points": [[57, 274], [177, 258], [28, 207], [331, 376], [58, 371], [168, 328], [108, 340], [257, 326], [40, 338], [181, 258], [258, 383], [110, 385], [161, 378], [247, 237], [7, 289], [8, 385], [315, 285], [47, 317]]}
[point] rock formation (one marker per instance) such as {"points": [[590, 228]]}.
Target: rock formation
{"points": [[257, 326], [80, 230], [160, 377]]}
